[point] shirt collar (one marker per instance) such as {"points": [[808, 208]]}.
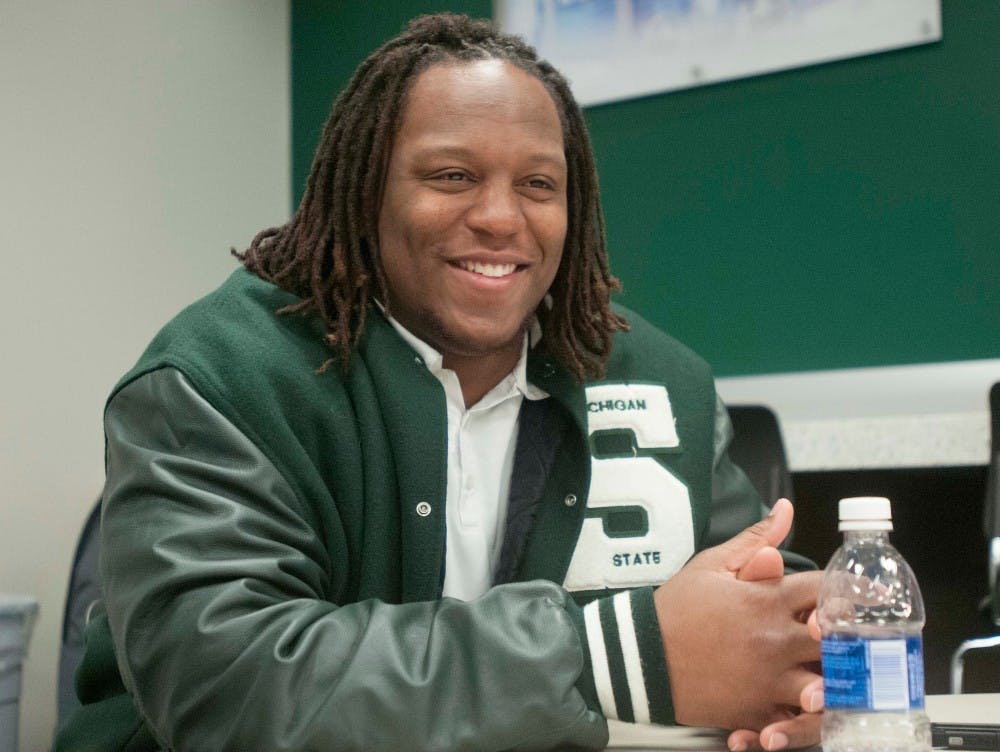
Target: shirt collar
{"points": [[435, 360]]}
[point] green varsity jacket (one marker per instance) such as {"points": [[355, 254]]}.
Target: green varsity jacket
{"points": [[273, 545]]}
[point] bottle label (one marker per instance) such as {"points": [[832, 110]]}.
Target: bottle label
{"points": [[886, 674]]}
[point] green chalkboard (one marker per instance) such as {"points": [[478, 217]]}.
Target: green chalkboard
{"points": [[831, 216]]}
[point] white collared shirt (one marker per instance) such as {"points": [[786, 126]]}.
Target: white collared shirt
{"points": [[481, 444]]}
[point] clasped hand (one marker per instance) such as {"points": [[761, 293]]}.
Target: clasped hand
{"points": [[741, 642]]}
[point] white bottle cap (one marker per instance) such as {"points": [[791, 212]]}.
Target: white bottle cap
{"points": [[865, 513]]}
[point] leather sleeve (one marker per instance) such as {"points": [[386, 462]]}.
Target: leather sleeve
{"points": [[735, 502], [214, 587]]}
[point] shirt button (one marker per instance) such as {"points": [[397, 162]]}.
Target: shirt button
{"points": [[423, 509], [570, 500]]}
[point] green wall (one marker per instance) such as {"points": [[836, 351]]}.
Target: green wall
{"points": [[329, 39], [833, 216]]}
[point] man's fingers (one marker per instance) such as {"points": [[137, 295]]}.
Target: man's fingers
{"points": [[765, 564], [798, 648], [799, 591], [789, 732], [811, 698], [813, 624], [769, 532], [745, 740], [742, 740], [800, 731], [797, 685]]}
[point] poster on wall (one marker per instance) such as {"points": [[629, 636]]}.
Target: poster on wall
{"points": [[619, 49]]}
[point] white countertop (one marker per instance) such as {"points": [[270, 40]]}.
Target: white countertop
{"points": [[929, 415]]}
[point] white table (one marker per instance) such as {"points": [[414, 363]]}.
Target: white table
{"points": [[969, 708]]}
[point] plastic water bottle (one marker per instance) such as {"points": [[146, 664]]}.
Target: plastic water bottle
{"points": [[871, 615]]}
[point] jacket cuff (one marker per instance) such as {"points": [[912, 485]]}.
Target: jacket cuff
{"points": [[625, 669]]}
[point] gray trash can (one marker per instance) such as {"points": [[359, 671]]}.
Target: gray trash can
{"points": [[17, 617]]}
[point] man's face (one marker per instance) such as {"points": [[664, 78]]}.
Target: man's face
{"points": [[473, 215]]}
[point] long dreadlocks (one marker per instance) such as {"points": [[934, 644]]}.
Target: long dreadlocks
{"points": [[327, 254]]}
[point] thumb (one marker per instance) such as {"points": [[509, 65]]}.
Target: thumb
{"points": [[765, 564], [739, 550]]}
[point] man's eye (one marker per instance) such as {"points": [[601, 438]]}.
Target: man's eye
{"points": [[540, 183], [452, 176]]}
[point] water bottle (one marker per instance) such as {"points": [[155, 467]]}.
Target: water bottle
{"points": [[870, 616]]}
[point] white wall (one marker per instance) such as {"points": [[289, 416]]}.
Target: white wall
{"points": [[139, 141]]}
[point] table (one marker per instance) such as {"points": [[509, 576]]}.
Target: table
{"points": [[970, 708]]}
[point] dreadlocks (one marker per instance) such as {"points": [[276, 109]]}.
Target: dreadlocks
{"points": [[327, 254]]}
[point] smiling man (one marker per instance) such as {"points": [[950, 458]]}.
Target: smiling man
{"points": [[407, 480], [473, 217]]}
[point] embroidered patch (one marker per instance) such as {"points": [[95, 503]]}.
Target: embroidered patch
{"points": [[638, 528], [643, 408]]}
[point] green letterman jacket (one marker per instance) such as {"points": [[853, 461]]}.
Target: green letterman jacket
{"points": [[273, 545]]}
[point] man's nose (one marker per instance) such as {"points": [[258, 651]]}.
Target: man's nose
{"points": [[496, 211]]}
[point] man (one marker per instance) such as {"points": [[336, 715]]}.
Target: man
{"points": [[350, 493]]}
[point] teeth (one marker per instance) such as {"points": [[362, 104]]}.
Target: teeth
{"points": [[488, 270]]}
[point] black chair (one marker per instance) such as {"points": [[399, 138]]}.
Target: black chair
{"points": [[990, 606], [759, 450], [84, 591]]}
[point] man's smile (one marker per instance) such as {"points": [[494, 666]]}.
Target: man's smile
{"points": [[487, 270]]}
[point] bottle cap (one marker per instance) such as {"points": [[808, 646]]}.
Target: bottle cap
{"points": [[865, 513]]}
